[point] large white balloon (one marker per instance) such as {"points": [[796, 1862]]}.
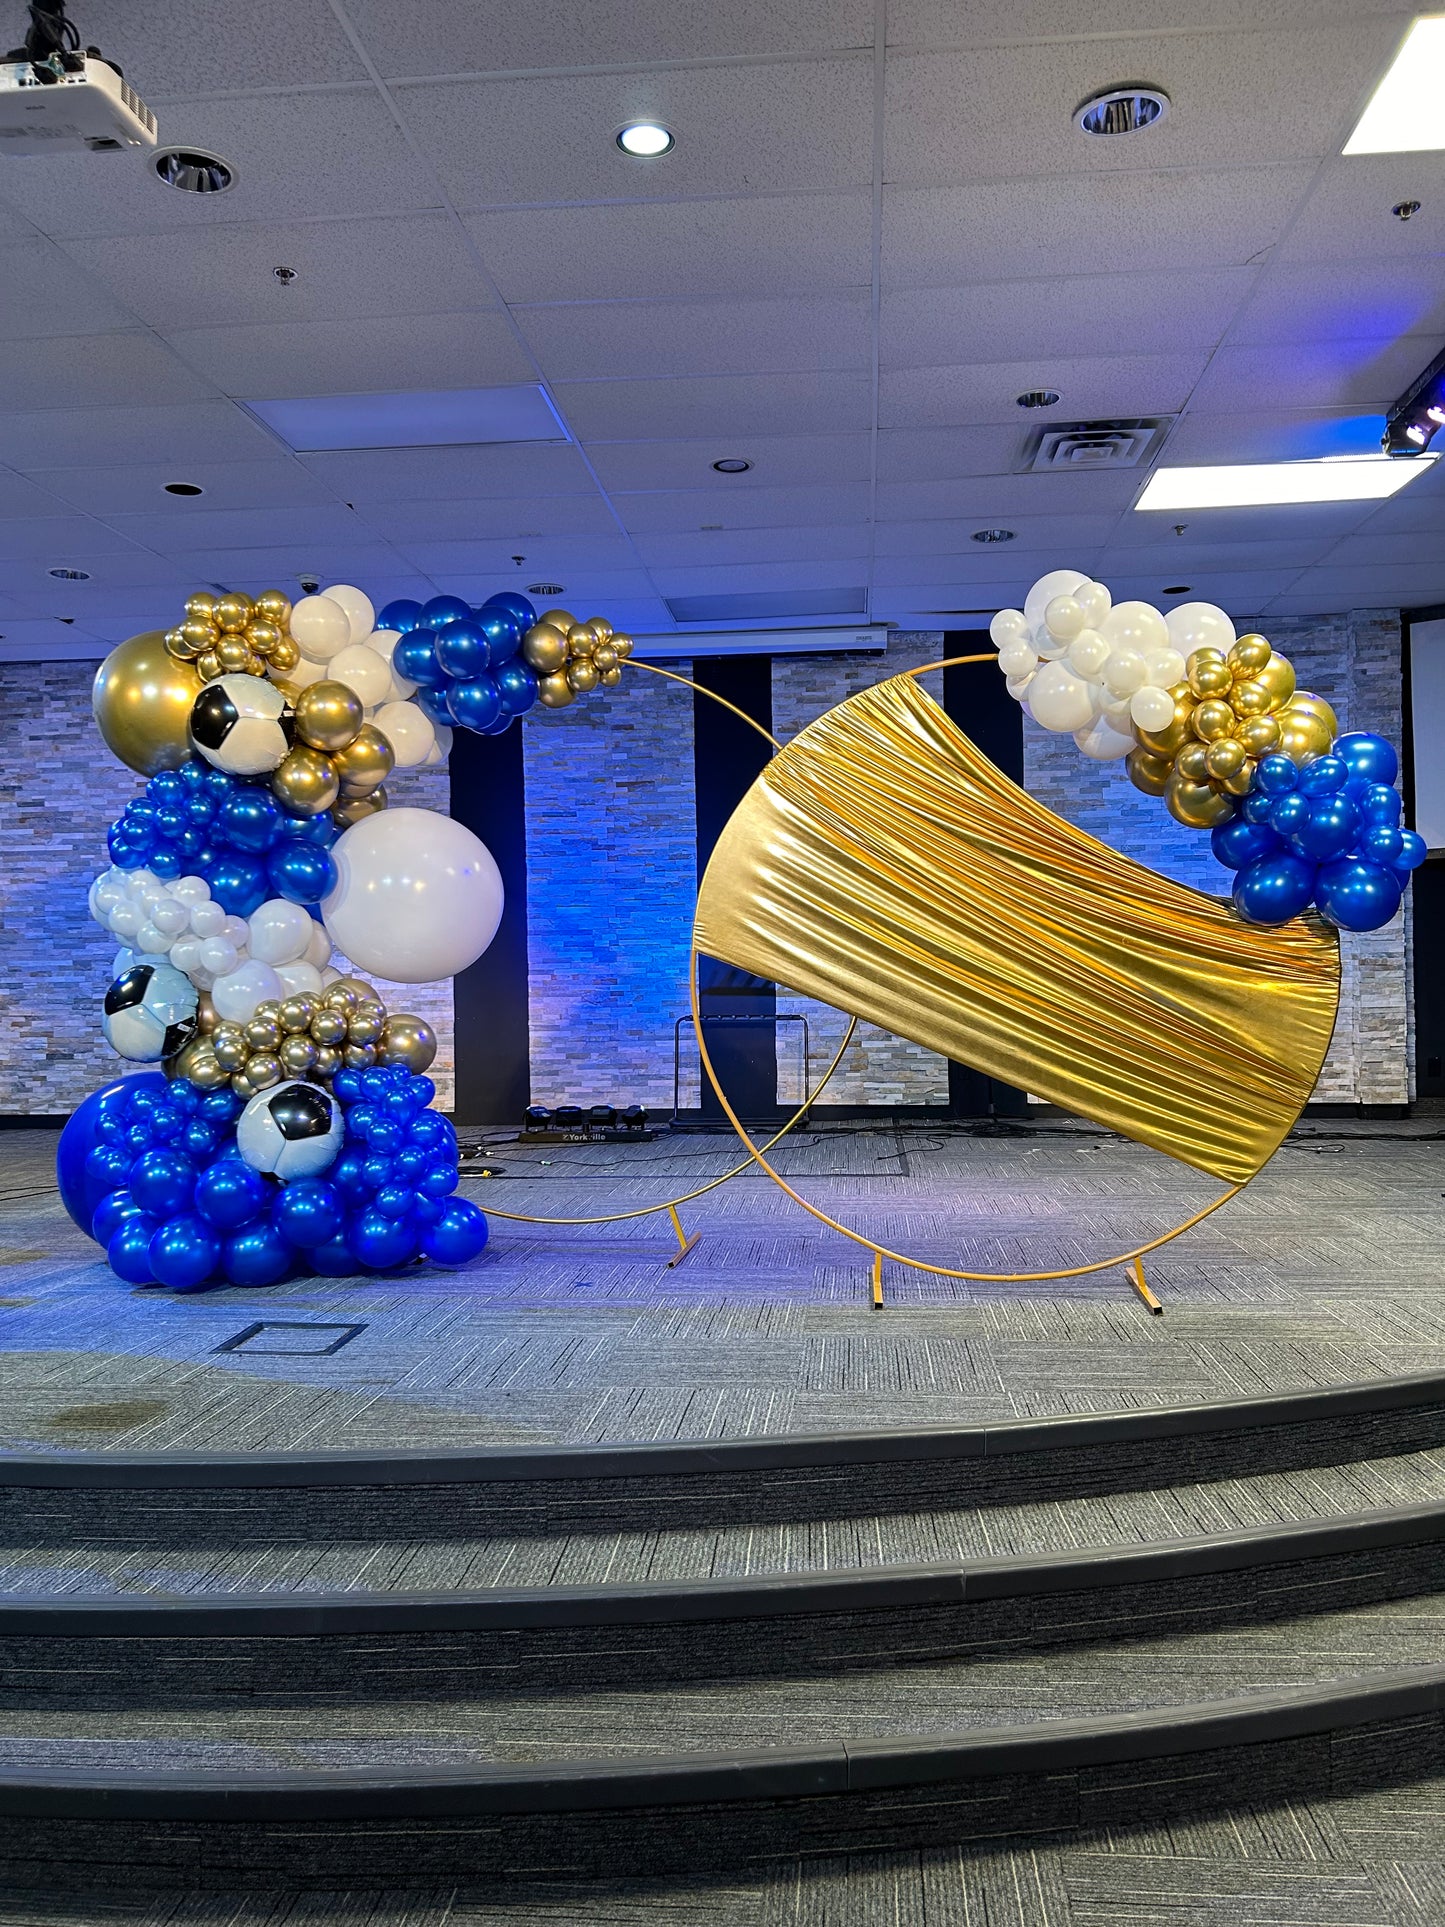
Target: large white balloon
{"points": [[1103, 742], [441, 748], [319, 627], [1135, 625], [1200, 625], [360, 614], [1095, 601], [364, 672], [280, 931], [1059, 700], [1056, 582], [409, 731], [237, 994], [417, 896]]}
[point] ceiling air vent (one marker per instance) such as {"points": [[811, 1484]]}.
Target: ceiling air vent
{"points": [[546, 588], [1078, 445]]}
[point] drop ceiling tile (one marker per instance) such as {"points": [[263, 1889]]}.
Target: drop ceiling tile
{"points": [[556, 558], [778, 462], [1346, 301], [21, 496], [281, 566], [773, 244], [693, 511], [940, 577], [1239, 592], [598, 590], [942, 23], [13, 224], [56, 537], [953, 117], [1032, 533], [29, 639], [745, 129], [987, 392], [740, 548], [1182, 562], [241, 528], [58, 437], [1389, 587], [127, 488], [729, 405], [1271, 435], [1209, 528], [1311, 602], [586, 341], [219, 275], [79, 371], [974, 464], [44, 293], [1338, 375], [109, 568], [1348, 216], [519, 519], [303, 156], [379, 354], [1373, 548], [758, 576], [446, 474], [1416, 510], [454, 36], [1077, 315], [164, 54], [942, 454], [940, 237]]}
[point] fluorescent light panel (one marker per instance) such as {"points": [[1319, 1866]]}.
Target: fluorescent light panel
{"points": [[1406, 114], [440, 418], [1351, 478]]}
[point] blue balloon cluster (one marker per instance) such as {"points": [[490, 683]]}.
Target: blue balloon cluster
{"points": [[1327, 834], [149, 1169], [464, 661], [198, 821]]}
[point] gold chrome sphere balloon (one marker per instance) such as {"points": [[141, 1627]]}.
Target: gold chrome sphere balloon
{"points": [[366, 1024], [284, 655], [297, 1055], [365, 763], [1278, 678], [611, 677], [1146, 772], [1303, 736], [296, 1012], [1192, 762], [272, 606], [604, 657], [304, 782], [1195, 805], [328, 1061], [582, 675], [1259, 735], [1250, 698], [328, 716], [264, 1070], [555, 692], [233, 654], [233, 612], [201, 605], [1248, 656], [351, 809], [1212, 719], [582, 639], [142, 701], [545, 648], [262, 1033], [622, 645], [408, 1041], [328, 1026], [1208, 674], [1224, 758]]}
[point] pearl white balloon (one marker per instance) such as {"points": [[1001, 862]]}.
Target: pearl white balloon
{"points": [[237, 994], [296, 977], [1135, 625], [1163, 667], [1088, 655], [236, 930], [364, 672], [280, 931], [360, 614], [186, 954], [1009, 625], [1016, 659], [151, 941], [318, 950], [171, 917], [1152, 708], [1064, 618], [319, 627], [1018, 686], [1103, 742], [126, 919], [1095, 601], [417, 897], [1060, 701], [191, 890], [218, 956], [1125, 671], [1200, 625], [1056, 582], [331, 975], [384, 642], [409, 731], [208, 918], [305, 673], [441, 748], [1117, 716]]}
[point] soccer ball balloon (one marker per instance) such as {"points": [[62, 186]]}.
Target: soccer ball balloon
{"points": [[291, 1131], [239, 723], [150, 1012]]}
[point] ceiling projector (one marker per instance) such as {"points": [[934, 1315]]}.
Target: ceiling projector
{"points": [[54, 97]]}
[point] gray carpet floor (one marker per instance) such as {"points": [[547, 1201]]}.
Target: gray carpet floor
{"points": [[1326, 1270]]}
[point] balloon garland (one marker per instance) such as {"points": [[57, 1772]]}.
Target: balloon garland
{"points": [[290, 1127], [1216, 725]]}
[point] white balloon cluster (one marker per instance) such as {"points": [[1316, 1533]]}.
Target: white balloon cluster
{"points": [[1086, 666], [243, 961], [339, 642]]}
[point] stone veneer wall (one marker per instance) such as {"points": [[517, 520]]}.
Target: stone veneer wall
{"points": [[1354, 661], [59, 790]]}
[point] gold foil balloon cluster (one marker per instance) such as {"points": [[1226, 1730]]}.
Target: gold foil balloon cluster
{"points": [[338, 761], [233, 634], [1232, 707], [573, 658], [311, 1036]]}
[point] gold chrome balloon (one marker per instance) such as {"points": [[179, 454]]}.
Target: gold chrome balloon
{"points": [[1305, 703], [1278, 677], [1212, 719], [1147, 772], [209, 665], [233, 654], [328, 716], [351, 809], [284, 656], [356, 988], [304, 782], [262, 1033], [201, 605], [604, 657], [198, 635], [366, 1024], [262, 635], [328, 1061], [1249, 698], [622, 644], [233, 612], [228, 1041], [1248, 656], [1167, 742], [1239, 783], [142, 701], [1259, 735], [1303, 736], [582, 675], [1207, 673], [582, 639], [1224, 758], [297, 1055], [296, 1012], [328, 1026], [611, 677], [408, 1041], [365, 763], [263, 1070], [1195, 804], [207, 1016], [545, 648], [359, 1057], [1192, 762], [555, 692], [272, 606], [559, 619]]}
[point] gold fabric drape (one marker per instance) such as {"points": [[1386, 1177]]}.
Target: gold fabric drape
{"points": [[882, 864]]}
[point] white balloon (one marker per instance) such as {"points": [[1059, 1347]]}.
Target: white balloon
{"points": [[441, 748], [1009, 625], [384, 642], [363, 671], [1135, 625], [305, 673], [1103, 742], [151, 941], [191, 890], [409, 731], [1117, 716], [299, 976], [1095, 601], [186, 954], [318, 951], [171, 917], [126, 919], [1016, 659], [218, 956], [1056, 582], [1060, 701], [319, 627], [1152, 708], [417, 896], [1163, 667], [331, 975], [1124, 672], [207, 918], [1088, 655], [1018, 686], [237, 994], [360, 615], [1064, 618], [236, 930], [1200, 625], [280, 931]]}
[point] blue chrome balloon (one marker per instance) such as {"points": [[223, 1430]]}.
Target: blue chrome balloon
{"points": [[1413, 851], [400, 616], [81, 1191], [229, 1193], [300, 872], [517, 686], [129, 1250], [1381, 803], [462, 649], [1290, 810], [1240, 841], [382, 1243], [1356, 895], [251, 819], [111, 1213], [474, 704], [1369, 756], [1275, 775], [335, 1259], [1330, 828], [185, 1253], [515, 605], [441, 610], [1323, 776], [310, 1213], [1274, 888], [499, 626], [239, 884], [163, 1183], [1382, 843], [457, 1236], [415, 660], [257, 1255]]}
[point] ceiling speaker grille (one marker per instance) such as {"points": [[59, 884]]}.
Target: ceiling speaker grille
{"points": [[1086, 445]]}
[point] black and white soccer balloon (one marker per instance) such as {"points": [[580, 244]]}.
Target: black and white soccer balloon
{"points": [[291, 1131], [150, 1012], [241, 724]]}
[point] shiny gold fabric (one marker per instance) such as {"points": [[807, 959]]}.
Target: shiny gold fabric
{"points": [[883, 864]]}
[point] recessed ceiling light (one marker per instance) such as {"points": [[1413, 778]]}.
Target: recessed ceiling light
{"points": [[1121, 110], [184, 488], [1179, 588], [191, 171], [1037, 398], [70, 575], [1349, 478], [732, 465], [1406, 114], [992, 535], [546, 588], [645, 139]]}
